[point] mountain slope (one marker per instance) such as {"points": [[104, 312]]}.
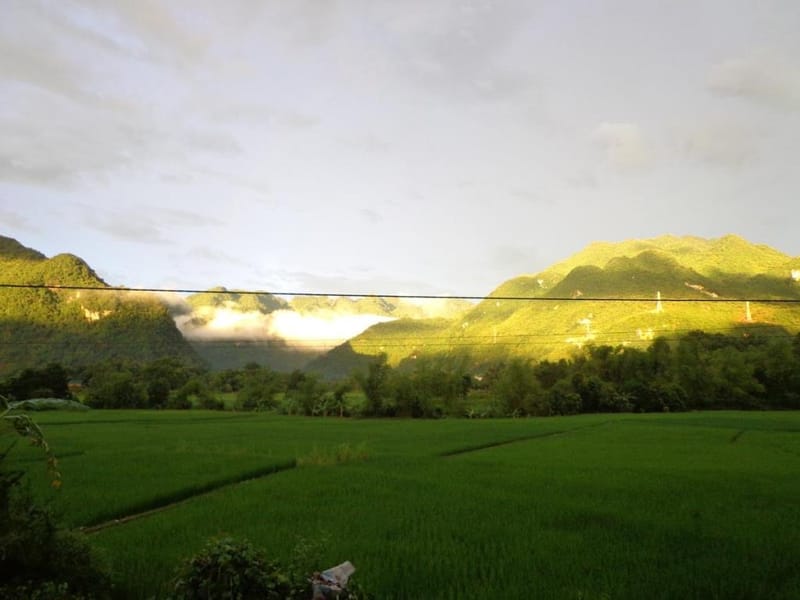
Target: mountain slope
{"points": [[546, 315], [75, 327]]}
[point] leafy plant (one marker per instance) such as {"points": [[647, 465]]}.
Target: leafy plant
{"points": [[38, 558], [342, 453], [230, 569]]}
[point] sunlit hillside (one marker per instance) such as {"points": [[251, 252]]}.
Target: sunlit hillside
{"points": [[609, 293]]}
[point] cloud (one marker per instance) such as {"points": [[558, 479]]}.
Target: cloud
{"points": [[145, 225], [455, 48], [531, 197], [135, 228], [624, 145], [206, 254], [367, 282], [212, 141], [183, 218], [91, 91], [764, 77], [321, 330], [727, 144], [581, 178], [48, 141], [155, 31], [512, 259], [13, 220], [22, 59], [370, 216]]}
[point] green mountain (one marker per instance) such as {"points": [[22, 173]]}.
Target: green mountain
{"points": [[396, 308], [44, 324], [220, 297], [605, 294]]}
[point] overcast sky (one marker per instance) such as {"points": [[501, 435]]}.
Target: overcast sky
{"points": [[425, 146]]}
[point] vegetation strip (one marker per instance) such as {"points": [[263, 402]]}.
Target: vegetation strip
{"points": [[523, 438], [488, 445], [60, 456], [737, 435], [181, 496], [188, 421]]}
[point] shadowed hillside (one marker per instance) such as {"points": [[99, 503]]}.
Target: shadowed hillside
{"points": [[75, 327]]}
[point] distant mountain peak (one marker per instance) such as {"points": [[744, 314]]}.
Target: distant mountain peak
{"points": [[12, 249], [76, 327]]}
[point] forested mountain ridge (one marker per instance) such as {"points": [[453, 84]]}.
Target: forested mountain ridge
{"points": [[75, 327], [541, 315], [550, 313], [266, 303]]}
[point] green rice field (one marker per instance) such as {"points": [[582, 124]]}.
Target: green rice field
{"points": [[692, 505]]}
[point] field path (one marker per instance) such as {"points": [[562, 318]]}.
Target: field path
{"points": [[184, 497], [523, 438]]}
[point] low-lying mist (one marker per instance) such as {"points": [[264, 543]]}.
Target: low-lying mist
{"points": [[323, 329]]}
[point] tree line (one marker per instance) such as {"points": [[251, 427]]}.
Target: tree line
{"points": [[699, 371]]}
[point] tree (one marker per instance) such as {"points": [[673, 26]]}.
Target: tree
{"points": [[196, 391], [115, 389], [158, 392], [562, 399], [306, 395], [374, 384], [519, 390], [51, 381], [258, 389]]}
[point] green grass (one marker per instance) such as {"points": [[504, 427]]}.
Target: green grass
{"points": [[700, 505]]}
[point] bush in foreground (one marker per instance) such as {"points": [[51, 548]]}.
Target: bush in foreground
{"points": [[231, 569], [39, 558]]}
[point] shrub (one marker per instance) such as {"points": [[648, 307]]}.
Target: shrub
{"points": [[179, 402], [563, 400], [35, 550], [48, 590], [210, 402], [232, 570]]}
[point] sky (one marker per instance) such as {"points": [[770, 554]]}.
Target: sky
{"points": [[414, 147]]}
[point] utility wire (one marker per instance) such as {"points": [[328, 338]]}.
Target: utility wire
{"points": [[32, 286]]}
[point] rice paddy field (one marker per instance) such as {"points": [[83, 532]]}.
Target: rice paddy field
{"points": [[693, 505]]}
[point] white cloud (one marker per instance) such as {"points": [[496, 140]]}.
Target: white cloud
{"points": [[624, 144], [320, 330], [722, 143], [9, 218], [764, 76]]}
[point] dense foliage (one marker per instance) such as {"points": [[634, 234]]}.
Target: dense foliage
{"points": [[700, 371], [51, 381], [38, 557], [233, 569], [44, 324]]}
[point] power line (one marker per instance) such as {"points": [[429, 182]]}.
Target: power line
{"points": [[390, 296]]}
